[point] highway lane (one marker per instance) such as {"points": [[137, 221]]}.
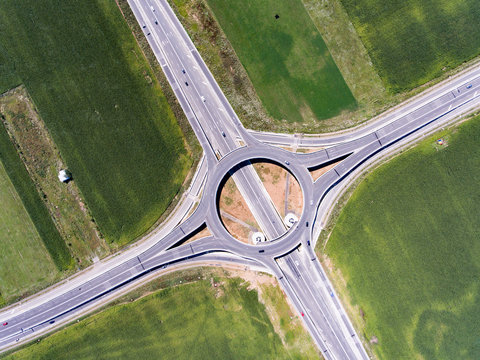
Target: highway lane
{"points": [[184, 70], [31, 321], [302, 292], [436, 108], [319, 305]]}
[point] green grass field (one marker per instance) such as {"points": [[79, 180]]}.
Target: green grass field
{"points": [[8, 76], [407, 244], [193, 321], [110, 120], [285, 58], [35, 207], [24, 260], [411, 42]]}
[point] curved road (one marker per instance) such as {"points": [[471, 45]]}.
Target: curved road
{"points": [[229, 148]]}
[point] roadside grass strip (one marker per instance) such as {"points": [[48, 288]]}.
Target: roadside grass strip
{"points": [[98, 98], [285, 58], [414, 41], [407, 244]]}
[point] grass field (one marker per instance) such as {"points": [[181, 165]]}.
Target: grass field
{"points": [[407, 244], [411, 42], [24, 261], [109, 119], [192, 321], [285, 58], [33, 204], [8, 76]]}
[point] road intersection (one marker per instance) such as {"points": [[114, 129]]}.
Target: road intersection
{"points": [[229, 149]]}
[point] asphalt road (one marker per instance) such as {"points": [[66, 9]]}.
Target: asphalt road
{"points": [[205, 106], [227, 145]]}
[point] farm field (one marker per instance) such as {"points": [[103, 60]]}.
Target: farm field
{"points": [[407, 246], [100, 102], [412, 42], [285, 58], [24, 261], [216, 318], [32, 203]]}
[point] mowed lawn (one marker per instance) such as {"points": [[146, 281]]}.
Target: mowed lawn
{"points": [[408, 245], [285, 58], [96, 94], [194, 321], [24, 261], [411, 42]]}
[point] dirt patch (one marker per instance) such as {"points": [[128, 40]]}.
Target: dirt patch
{"points": [[320, 171], [255, 279], [274, 179], [42, 159], [233, 203], [238, 231], [295, 197]]}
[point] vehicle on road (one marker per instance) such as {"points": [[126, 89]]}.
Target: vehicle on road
{"points": [[287, 162], [5, 323]]}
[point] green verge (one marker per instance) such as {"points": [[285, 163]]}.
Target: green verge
{"points": [[34, 267], [101, 103], [191, 321], [285, 58], [33, 204], [407, 246], [414, 41]]}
